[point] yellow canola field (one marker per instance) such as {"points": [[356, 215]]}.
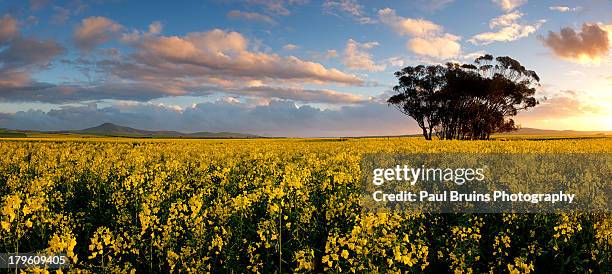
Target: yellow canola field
{"points": [[268, 205]]}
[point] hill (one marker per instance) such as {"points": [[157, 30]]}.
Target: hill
{"points": [[551, 132], [110, 129], [11, 133]]}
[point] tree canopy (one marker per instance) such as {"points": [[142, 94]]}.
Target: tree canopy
{"points": [[465, 101]]}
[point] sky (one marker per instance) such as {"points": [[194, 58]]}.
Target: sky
{"points": [[286, 67]]}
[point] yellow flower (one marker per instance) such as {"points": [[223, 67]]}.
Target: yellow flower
{"points": [[344, 254]]}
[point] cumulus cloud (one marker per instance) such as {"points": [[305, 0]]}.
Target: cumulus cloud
{"points": [[93, 31], [20, 56], [508, 29], [408, 26], [428, 38], [157, 66], [509, 5], [356, 56], [222, 55], [276, 118], [445, 46], [590, 44], [250, 16], [23, 52], [350, 7]]}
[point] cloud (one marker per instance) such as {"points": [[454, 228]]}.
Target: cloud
{"points": [[356, 56], [20, 56], [290, 47], [24, 52], [93, 31], [298, 94], [590, 44], [509, 5], [326, 55], [508, 29], [19, 88], [8, 28], [250, 16], [445, 46], [155, 28], [564, 8], [569, 109], [72, 93], [331, 53], [428, 38], [564, 104], [505, 20], [276, 118], [157, 66], [351, 7], [408, 26], [433, 5], [218, 54], [278, 7], [61, 14]]}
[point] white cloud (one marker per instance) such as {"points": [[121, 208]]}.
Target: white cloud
{"points": [[505, 20], [508, 29], [428, 38], [509, 5], [356, 57], [564, 8]]}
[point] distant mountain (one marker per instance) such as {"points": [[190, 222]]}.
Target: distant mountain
{"points": [[110, 129], [113, 130], [551, 132]]}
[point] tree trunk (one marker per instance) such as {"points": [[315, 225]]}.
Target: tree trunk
{"points": [[427, 137]]}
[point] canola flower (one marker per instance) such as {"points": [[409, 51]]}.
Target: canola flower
{"points": [[260, 206]]}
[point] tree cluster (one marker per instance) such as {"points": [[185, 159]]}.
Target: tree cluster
{"points": [[465, 101]]}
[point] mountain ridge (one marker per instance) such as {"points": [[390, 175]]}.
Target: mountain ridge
{"points": [[110, 129], [114, 130]]}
